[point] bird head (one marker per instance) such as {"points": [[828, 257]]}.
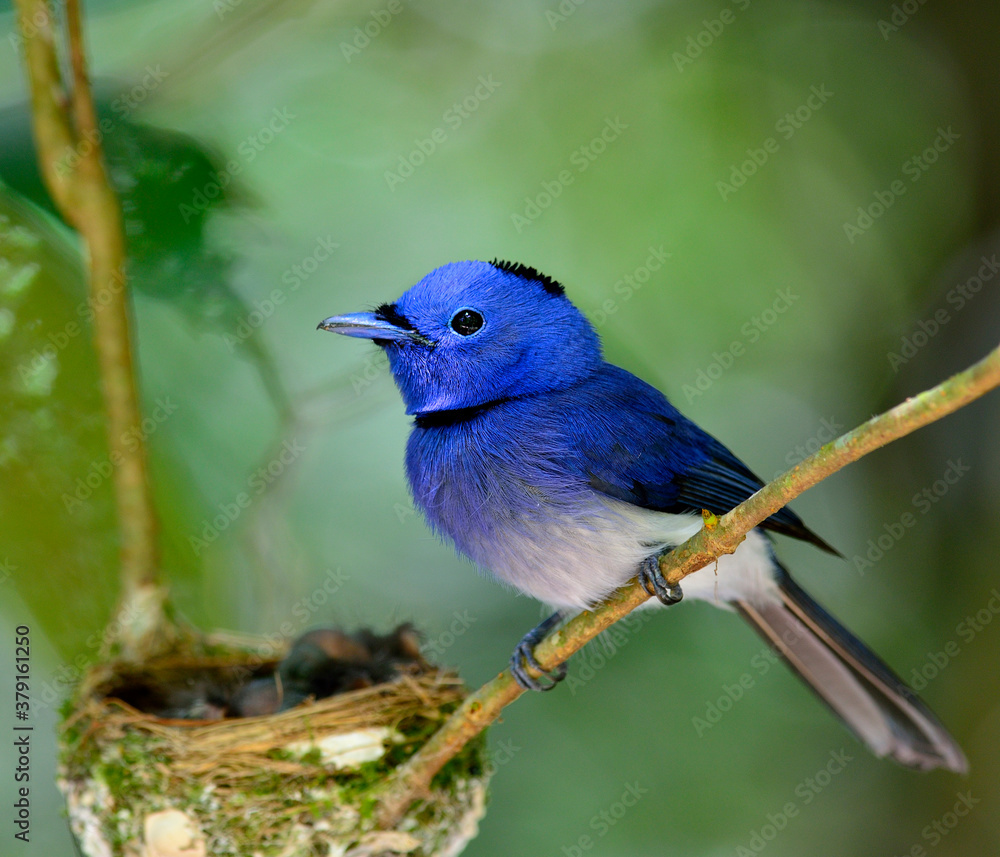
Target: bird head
{"points": [[471, 333]]}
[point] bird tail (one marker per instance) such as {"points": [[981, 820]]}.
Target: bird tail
{"points": [[870, 698]]}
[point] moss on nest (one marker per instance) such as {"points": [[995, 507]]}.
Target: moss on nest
{"points": [[303, 782]]}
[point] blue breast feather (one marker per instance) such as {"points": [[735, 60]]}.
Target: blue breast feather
{"points": [[491, 473]]}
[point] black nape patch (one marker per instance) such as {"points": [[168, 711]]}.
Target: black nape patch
{"points": [[529, 273], [391, 314]]}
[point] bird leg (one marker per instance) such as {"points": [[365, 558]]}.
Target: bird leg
{"points": [[524, 656], [655, 583]]}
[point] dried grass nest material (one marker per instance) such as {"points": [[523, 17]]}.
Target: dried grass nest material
{"points": [[302, 782]]}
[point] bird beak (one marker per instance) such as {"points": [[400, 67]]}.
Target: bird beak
{"points": [[367, 325]]}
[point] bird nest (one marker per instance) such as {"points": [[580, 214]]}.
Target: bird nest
{"points": [[305, 781]]}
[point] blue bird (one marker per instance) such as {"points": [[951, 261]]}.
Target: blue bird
{"points": [[566, 476]]}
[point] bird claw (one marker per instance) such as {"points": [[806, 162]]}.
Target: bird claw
{"points": [[655, 583], [524, 658]]}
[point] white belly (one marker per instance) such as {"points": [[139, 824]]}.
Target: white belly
{"points": [[575, 565]]}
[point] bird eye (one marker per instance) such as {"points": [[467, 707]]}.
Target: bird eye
{"points": [[465, 322]]}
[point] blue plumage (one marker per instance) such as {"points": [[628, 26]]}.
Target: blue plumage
{"points": [[565, 476]]}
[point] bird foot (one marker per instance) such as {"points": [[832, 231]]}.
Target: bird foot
{"points": [[524, 657], [655, 583]]}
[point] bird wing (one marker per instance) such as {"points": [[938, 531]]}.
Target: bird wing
{"points": [[631, 444]]}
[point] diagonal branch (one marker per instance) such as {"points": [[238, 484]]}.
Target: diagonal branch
{"points": [[719, 536]]}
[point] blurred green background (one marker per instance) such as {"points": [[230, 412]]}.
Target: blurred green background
{"points": [[281, 162]]}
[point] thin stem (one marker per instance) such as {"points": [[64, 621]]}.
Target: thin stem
{"points": [[81, 98], [719, 536], [68, 140], [52, 128]]}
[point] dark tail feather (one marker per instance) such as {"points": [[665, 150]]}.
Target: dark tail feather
{"points": [[869, 697]]}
